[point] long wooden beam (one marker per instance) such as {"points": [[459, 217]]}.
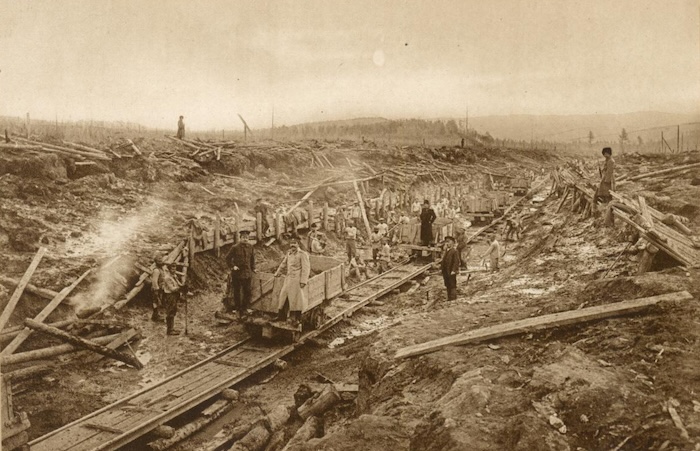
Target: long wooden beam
{"points": [[45, 312], [52, 351], [83, 343], [542, 322], [12, 303]]}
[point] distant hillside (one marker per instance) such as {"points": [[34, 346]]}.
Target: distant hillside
{"points": [[605, 127]]}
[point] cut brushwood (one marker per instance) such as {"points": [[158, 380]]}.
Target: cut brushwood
{"points": [[542, 322]]}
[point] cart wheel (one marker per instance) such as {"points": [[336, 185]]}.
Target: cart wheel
{"points": [[253, 330]]}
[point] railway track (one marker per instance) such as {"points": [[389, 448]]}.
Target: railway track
{"points": [[123, 421]]}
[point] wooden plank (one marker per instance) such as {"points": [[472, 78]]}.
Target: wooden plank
{"points": [[12, 303], [542, 322], [644, 211], [45, 312]]}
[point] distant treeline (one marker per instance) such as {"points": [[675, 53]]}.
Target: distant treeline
{"points": [[395, 130]]}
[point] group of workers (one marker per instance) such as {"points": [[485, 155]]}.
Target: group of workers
{"points": [[166, 288]]}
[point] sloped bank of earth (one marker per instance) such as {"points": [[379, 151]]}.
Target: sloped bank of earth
{"points": [[582, 387]]}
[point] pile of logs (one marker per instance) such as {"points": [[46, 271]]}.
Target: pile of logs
{"points": [[104, 340], [69, 149], [287, 427]]}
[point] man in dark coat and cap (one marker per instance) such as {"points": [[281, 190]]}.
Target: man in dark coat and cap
{"points": [[427, 217], [241, 260], [450, 268]]}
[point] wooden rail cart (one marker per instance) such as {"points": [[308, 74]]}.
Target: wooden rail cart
{"points": [[327, 281]]}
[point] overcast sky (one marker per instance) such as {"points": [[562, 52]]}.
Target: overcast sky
{"points": [[149, 61]]}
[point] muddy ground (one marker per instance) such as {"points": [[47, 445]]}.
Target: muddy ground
{"points": [[608, 382]]}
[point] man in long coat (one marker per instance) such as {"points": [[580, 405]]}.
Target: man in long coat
{"points": [[298, 269], [427, 217], [450, 268]]}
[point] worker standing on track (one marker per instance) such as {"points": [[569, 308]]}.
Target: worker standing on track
{"points": [[385, 256], [375, 240], [427, 217], [450, 267], [298, 269], [241, 260], [181, 128], [607, 174], [493, 252], [351, 240]]}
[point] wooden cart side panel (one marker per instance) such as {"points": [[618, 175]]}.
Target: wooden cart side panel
{"points": [[334, 282], [316, 290]]}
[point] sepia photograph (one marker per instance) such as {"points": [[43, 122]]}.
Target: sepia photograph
{"points": [[350, 225]]}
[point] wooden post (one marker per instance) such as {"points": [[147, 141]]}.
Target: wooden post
{"points": [[258, 227], [310, 211], [83, 343], [678, 139], [235, 230], [191, 249], [279, 226], [362, 208], [217, 235], [325, 216], [12, 303], [45, 312], [29, 127], [647, 258]]}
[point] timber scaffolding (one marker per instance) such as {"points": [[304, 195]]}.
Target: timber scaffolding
{"points": [[122, 422], [662, 232]]}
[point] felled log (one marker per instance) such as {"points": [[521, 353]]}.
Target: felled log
{"points": [[277, 417], [222, 438], [20, 146], [83, 343], [310, 429], [324, 401], [11, 332], [28, 373], [164, 431], [52, 351], [85, 148], [12, 303], [254, 440], [122, 339], [664, 171], [276, 442], [43, 292], [193, 427], [672, 220], [133, 146]]}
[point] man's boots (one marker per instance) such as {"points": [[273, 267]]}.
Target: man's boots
{"points": [[155, 316], [170, 324]]}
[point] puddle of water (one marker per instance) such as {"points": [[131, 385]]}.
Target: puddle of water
{"points": [[363, 328]]}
